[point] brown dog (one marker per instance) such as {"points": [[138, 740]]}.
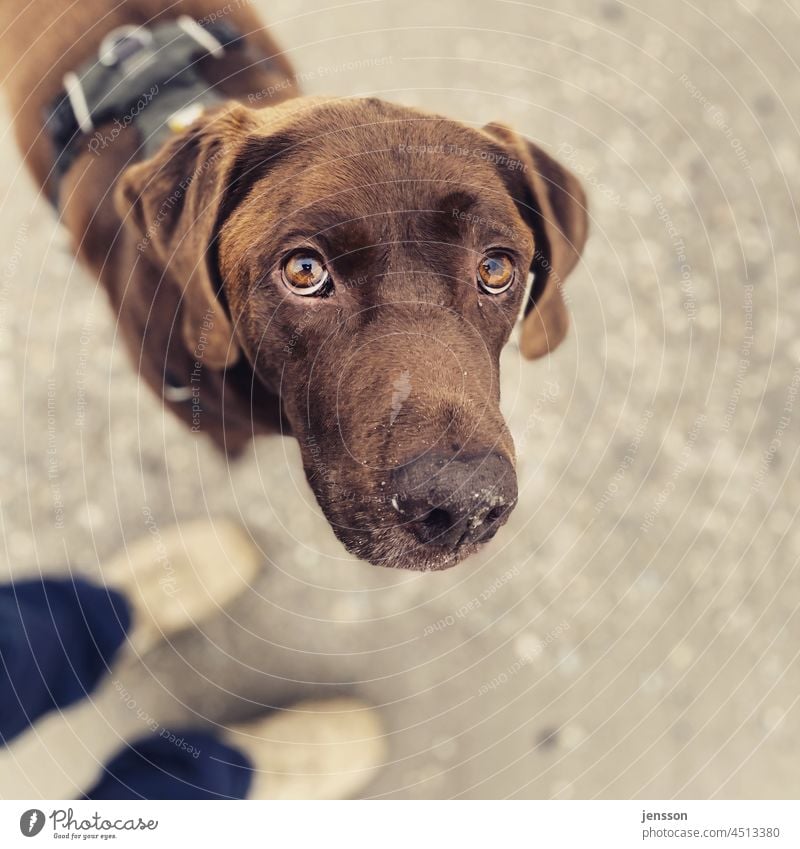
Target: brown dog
{"points": [[345, 271]]}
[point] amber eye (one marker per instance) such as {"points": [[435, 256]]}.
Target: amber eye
{"points": [[304, 273], [495, 273]]}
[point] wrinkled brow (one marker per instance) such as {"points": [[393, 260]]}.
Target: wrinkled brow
{"points": [[460, 214], [459, 200], [327, 227]]}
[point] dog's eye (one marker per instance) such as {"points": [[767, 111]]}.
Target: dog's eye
{"points": [[304, 273], [495, 273]]}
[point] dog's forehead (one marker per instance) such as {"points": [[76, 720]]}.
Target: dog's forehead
{"points": [[380, 183], [382, 153]]}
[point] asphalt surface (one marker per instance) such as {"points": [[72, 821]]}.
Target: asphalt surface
{"points": [[633, 631]]}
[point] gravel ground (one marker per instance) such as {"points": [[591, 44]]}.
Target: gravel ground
{"points": [[633, 631]]}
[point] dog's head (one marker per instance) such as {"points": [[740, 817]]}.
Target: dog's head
{"points": [[370, 262]]}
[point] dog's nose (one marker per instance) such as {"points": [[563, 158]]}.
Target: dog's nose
{"points": [[453, 501]]}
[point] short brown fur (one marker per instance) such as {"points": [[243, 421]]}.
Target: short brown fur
{"points": [[402, 205]]}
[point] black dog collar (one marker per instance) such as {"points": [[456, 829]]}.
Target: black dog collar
{"points": [[143, 77]]}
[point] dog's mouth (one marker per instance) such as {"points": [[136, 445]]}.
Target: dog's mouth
{"points": [[399, 547]]}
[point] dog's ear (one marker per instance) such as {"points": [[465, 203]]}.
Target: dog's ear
{"points": [[553, 204], [177, 201]]}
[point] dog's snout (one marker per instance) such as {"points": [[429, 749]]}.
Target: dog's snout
{"points": [[454, 501]]}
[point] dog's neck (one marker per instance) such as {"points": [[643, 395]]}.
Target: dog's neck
{"points": [[143, 79]]}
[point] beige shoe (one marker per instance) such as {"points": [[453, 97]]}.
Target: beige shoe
{"points": [[327, 749], [179, 577]]}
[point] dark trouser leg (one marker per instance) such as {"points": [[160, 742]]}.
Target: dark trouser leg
{"points": [[57, 639], [189, 765]]}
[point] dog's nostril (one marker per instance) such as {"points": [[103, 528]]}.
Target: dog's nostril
{"points": [[433, 525], [492, 522], [494, 514], [438, 518]]}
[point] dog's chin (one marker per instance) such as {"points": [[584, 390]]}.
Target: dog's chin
{"points": [[396, 548]]}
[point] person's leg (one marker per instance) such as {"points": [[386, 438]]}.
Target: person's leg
{"points": [[57, 639], [190, 765], [175, 578], [326, 749]]}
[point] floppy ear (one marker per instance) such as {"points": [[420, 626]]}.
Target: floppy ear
{"points": [[177, 201], [553, 204]]}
